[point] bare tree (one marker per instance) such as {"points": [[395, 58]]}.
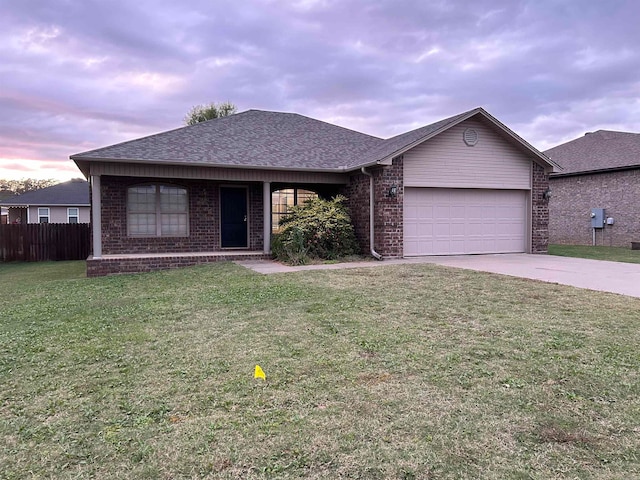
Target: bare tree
{"points": [[202, 113]]}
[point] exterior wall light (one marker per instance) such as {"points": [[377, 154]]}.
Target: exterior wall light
{"points": [[546, 194], [393, 191]]}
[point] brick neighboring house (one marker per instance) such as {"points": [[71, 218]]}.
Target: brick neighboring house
{"points": [[215, 190], [66, 202], [599, 170]]}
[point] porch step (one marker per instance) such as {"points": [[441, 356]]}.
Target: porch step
{"points": [[149, 262]]}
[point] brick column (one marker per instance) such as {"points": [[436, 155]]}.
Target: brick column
{"points": [[539, 211]]}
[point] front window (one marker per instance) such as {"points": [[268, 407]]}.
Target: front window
{"points": [[43, 215], [282, 200], [157, 211], [72, 215]]}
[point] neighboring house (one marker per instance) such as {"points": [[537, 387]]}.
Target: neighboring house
{"points": [[215, 190], [66, 202], [4, 211], [599, 170]]}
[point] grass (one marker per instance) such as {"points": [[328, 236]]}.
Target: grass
{"points": [[613, 254], [412, 371]]}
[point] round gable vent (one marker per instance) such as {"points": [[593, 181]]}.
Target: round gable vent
{"points": [[470, 137]]}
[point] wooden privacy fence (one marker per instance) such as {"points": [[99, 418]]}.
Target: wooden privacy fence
{"points": [[37, 242]]}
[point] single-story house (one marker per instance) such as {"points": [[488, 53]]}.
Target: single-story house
{"points": [[215, 190], [66, 202], [600, 170]]}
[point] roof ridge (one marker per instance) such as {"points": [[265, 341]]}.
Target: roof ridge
{"points": [[319, 121]]}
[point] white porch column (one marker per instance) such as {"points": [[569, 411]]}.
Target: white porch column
{"points": [[266, 200], [96, 217]]}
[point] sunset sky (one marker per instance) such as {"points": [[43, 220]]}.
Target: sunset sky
{"points": [[81, 74]]}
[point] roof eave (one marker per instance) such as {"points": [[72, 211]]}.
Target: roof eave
{"points": [[75, 158], [599, 170], [43, 204], [547, 162]]}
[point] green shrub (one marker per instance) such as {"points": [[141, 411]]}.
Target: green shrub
{"points": [[290, 248], [317, 229]]}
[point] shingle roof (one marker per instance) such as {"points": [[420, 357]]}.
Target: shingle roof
{"points": [[273, 140], [597, 151], [73, 192], [253, 138]]}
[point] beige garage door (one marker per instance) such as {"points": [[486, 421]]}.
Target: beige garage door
{"points": [[451, 221]]}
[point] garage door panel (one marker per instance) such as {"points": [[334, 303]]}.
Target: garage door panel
{"points": [[442, 221]]}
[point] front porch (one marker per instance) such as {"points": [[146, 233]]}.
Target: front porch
{"points": [[148, 262]]}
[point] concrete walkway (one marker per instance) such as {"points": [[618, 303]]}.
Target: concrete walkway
{"points": [[614, 277]]}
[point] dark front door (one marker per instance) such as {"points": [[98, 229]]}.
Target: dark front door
{"points": [[233, 213]]}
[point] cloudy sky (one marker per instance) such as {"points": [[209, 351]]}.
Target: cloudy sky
{"points": [[81, 74]]}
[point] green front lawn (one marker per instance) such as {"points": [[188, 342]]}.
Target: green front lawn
{"points": [[412, 371], [613, 254]]}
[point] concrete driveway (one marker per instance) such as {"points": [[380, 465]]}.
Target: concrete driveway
{"points": [[614, 277]]}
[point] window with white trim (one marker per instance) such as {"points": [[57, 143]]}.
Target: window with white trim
{"points": [[157, 211], [43, 215], [73, 215]]}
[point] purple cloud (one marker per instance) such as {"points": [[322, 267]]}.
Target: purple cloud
{"points": [[77, 74]]}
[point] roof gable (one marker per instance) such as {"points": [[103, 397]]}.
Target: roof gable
{"points": [[399, 144], [73, 192], [601, 150]]}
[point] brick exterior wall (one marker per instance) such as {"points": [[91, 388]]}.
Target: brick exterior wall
{"points": [[573, 198], [357, 193], [204, 218], [388, 211], [114, 266], [256, 217], [539, 211]]}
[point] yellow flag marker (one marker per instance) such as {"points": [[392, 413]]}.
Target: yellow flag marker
{"points": [[259, 373]]}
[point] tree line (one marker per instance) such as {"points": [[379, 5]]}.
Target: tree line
{"points": [[16, 187]]}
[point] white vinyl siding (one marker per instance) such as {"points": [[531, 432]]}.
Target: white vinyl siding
{"points": [[439, 221], [446, 161]]}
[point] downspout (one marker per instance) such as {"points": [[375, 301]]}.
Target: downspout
{"points": [[374, 254]]}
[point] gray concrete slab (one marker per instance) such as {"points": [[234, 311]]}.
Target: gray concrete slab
{"points": [[614, 277]]}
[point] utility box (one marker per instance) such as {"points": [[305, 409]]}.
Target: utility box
{"points": [[597, 218]]}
